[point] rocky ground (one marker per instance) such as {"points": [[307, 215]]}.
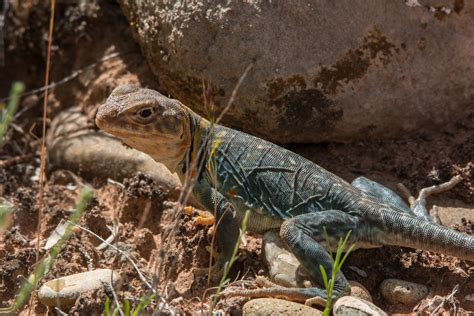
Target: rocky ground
{"points": [[143, 210]]}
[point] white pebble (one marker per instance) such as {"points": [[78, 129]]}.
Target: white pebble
{"points": [[65, 290]]}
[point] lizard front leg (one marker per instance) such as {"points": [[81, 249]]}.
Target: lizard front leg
{"points": [[227, 229], [304, 236]]}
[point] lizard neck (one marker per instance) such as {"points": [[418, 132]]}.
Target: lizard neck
{"points": [[200, 129]]}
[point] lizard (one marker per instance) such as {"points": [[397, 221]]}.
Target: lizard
{"points": [[283, 190]]}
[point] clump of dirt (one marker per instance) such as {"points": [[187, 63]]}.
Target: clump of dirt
{"points": [[88, 33]]}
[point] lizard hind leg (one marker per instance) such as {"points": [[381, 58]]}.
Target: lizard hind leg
{"points": [[304, 236], [381, 193]]}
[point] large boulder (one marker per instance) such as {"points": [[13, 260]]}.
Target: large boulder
{"points": [[322, 70]]}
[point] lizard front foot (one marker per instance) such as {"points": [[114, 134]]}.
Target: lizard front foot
{"points": [[202, 218]]}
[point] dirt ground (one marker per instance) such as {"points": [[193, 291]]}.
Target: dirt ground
{"points": [[85, 34]]}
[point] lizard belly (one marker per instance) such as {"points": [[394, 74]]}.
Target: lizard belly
{"points": [[260, 221]]}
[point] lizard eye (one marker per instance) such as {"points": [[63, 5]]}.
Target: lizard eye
{"points": [[145, 113]]}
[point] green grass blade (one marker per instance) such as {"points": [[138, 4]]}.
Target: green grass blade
{"points": [[326, 237], [15, 93], [126, 308], [325, 277], [351, 248], [144, 302], [107, 306], [337, 263]]}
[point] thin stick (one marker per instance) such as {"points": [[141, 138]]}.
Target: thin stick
{"points": [[140, 274], [73, 75], [14, 160], [425, 192], [60, 312], [114, 232], [447, 298], [111, 289]]}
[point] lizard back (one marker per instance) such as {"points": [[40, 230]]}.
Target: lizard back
{"points": [[270, 180]]}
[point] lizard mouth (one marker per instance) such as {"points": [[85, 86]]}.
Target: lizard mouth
{"points": [[101, 120], [124, 132], [109, 128]]}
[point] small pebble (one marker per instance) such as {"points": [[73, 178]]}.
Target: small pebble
{"points": [[469, 297], [358, 290], [64, 291], [397, 291], [275, 307], [350, 305]]}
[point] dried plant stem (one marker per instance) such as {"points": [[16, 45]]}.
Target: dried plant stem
{"points": [[43, 136], [43, 139]]}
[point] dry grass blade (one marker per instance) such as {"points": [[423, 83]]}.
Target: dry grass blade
{"points": [[43, 137]]}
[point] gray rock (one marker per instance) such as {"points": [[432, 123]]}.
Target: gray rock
{"points": [[402, 292], [354, 306], [274, 307], [283, 266], [285, 269], [65, 290], [323, 71], [452, 215], [95, 154]]}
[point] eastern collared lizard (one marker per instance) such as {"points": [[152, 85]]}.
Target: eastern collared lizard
{"points": [[283, 190]]}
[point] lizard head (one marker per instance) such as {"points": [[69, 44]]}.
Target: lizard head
{"points": [[149, 122]]}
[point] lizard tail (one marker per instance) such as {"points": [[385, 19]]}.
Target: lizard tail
{"points": [[399, 229]]}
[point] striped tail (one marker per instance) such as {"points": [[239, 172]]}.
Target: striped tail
{"points": [[398, 229]]}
